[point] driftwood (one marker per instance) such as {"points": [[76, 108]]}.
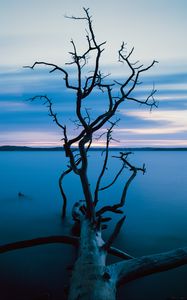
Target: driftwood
{"points": [[92, 278]]}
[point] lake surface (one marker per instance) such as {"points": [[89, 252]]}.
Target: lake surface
{"points": [[156, 221]]}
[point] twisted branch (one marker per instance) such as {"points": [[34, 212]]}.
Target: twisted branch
{"points": [[55, 67], [115, 208]]}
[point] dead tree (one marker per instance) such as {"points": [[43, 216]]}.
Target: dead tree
{"points": [[92, 278]]}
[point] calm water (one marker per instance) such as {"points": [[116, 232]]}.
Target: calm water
{"points": [[156, 221]]}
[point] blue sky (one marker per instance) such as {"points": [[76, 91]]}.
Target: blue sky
{"points": [[37, 30]]}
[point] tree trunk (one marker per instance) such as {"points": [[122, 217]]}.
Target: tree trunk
{"points": [[91, 278]]}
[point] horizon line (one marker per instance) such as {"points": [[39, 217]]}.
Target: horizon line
{"points": [[94, 148]]}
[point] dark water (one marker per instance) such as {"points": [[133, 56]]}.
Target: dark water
{"points": [[156, 221]]}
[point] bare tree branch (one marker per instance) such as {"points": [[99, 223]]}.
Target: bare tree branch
{"points": [[64, 206], [65, 239], [70, 240], [114, 235], [93, 250], [63, 127], [84, 177], [114, 180], [54, 68], [108, 139], [134, 170], [89, 127], [51, 112], [138, 267], [147, 100], [92, 46], [115, 208], [119, 253]]}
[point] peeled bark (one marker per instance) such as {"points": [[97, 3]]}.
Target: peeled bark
{"points": [[91, 278]]}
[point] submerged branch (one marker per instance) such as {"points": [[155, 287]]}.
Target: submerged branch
{"points": [[119, 253], [70, 240], [62, 191], [114, 234], [65, 239]]}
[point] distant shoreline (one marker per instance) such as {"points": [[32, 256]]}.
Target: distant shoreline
{"points": [[25, 148]]}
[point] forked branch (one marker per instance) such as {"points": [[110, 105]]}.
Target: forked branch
{"points": [[115, 208], [52, 114], [55, 68], [126, 88]]}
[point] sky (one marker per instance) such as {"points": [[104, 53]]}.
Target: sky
{"points": [[37, 30]]}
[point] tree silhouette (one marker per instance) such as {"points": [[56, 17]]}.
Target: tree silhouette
{"points": [[92, 278]]}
